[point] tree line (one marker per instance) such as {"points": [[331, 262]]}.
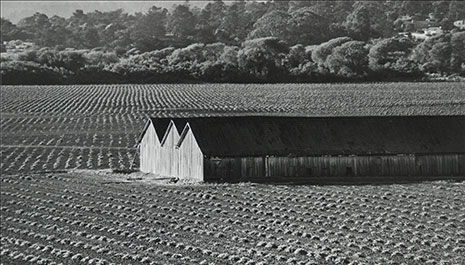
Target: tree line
{"points": [[245, 41]]}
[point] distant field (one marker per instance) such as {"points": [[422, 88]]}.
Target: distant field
{"points": [[96, 126], [76, 219]]}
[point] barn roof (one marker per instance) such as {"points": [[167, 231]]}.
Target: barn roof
{"points": [[268, 135], [161, 125], [172, 124]]}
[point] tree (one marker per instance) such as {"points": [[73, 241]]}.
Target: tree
{"points": [[321, 53], [381, 24], [248, 13], [358, 23], [38, 21], [279, 5], [299, 63], [38, 26], [443, 54], [457, 60], [91, 38], [440, 9], [212, 52], [307, 28], [117, 28], [212, 65], [185, 60], [57, 34], [181, 23], [150, 29], [78, 16], [297, 4], [205, 32], [218, 9], [6, 29], [72, 60], [390, 57], [456, 10], [440, 55], [273, 24], [229, 29], [296, 56], [229, 56], [255, 10], [100, 58], [450, 11], [28, 73], [263, 58], [49, 57], [419, 10], [368, 20], [199, 61], [420, 53], [349, 60], [334, 11], [10, 31]]}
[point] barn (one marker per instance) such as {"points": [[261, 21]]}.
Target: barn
{"points": [[157, 143], [309, 149]]}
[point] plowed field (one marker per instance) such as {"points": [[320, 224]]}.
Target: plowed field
{"points": [[97, 126], [77, 219]]}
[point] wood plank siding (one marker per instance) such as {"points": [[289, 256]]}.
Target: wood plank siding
{"points": [[150, 149], [348, 149], [388, 167], [160, 157], [191, 158], [169, 155]]}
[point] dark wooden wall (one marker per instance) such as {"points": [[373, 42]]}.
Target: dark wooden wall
{"points": [[342, 167]]}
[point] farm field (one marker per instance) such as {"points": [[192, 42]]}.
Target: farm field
{"points": [[81, 219], [48, 128]]}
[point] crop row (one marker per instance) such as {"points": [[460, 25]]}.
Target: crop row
{"points": [[106, 116], [40, 124], [40, 158], [355, 99], [247, 224], [81, 139]]}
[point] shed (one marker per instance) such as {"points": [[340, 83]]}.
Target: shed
{"points": [[241, 148]]}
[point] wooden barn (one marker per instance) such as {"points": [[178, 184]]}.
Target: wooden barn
{"points": [[157, 144], [261, 148]]}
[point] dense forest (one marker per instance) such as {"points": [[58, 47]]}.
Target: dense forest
{"points": [[239, 41]]}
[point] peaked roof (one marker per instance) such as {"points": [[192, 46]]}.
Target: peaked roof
{"points": [[268, 135], [161, 126], [172, 124]]}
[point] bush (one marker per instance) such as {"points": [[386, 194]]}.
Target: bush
{"points": [[263, 58], [443, 54], [321, 52], [100, 58], [389, 58], [29, 73], [258, 60], [349, 60]]}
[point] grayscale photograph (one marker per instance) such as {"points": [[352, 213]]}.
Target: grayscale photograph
{"points": [[232, 132]]}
